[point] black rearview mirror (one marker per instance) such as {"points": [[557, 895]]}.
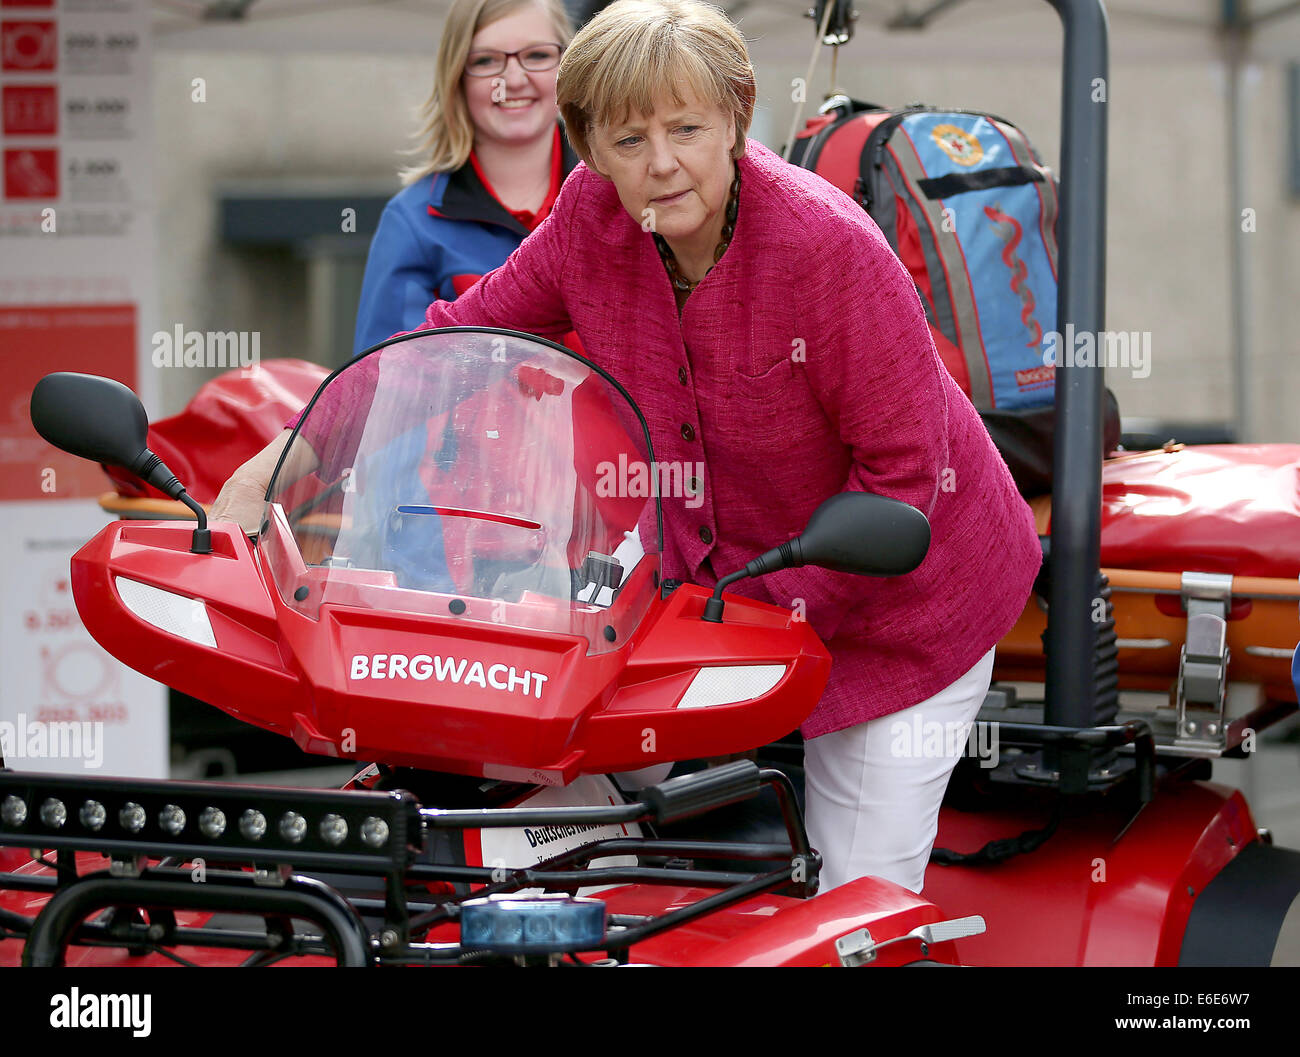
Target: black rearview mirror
{"points": [[852, 532], [91, 417], [102, 420], [856, 532]]}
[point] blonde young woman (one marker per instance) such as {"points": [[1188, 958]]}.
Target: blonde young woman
{"points": [[492, 159], [762, 323]]}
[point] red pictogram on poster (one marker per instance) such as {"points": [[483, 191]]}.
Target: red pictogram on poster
{"points": [[28, 46], [31, 110], [31, 173]]}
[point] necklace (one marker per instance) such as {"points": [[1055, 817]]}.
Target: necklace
{"points": [[679, 281]]}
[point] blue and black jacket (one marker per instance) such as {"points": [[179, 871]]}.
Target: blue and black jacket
{"points": [[435, 239]]}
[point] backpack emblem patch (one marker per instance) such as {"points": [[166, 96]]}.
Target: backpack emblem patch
{"points": [[958, 144]]}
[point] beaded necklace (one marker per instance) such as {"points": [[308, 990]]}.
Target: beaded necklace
{"points": [[679, 281]]}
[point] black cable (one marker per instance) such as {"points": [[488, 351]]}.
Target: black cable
{"points": [[996, 851], [174, 957]]}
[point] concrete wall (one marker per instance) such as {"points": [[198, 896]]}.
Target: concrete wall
{"points": [[300, 116], [293, 119]]}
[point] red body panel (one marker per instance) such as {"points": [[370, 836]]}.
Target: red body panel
{"points": [[1215, 508], [792, 932], [594, 712], [1081, 899]]}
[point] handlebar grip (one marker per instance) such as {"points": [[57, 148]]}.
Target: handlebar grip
{"points": [[693, 794]]}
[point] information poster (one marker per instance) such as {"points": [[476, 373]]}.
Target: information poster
{"points": [[76, 284]]}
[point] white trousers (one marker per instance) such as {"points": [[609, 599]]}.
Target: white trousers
{"points": [[873, 790]]}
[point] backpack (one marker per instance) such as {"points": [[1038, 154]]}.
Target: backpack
{"points": [[970, 209]]}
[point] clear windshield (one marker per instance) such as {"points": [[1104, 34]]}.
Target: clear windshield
{"points": [[481, 475]]}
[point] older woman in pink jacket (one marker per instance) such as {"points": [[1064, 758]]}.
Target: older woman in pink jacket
{"points": [[767, 331]]}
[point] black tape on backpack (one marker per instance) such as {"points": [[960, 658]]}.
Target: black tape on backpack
{"points": [[961, 182]]}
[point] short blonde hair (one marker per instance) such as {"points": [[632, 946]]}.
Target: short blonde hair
{"points": [[631, 52], [446, 134]]}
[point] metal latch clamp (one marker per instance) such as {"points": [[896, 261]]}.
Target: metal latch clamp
{"points": [[858, 948], [1203, 661]]}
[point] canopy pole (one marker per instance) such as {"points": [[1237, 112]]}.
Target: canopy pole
{"points": [[1081, 309], [1235, 30]]}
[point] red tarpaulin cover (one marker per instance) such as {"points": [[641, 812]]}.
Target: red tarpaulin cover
{"points": [[1216, 508], [230, 419]]}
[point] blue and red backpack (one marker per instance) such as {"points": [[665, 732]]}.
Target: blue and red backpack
{"points": [[971, 210]]}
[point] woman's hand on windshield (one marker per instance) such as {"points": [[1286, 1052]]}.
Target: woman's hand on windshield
{"points": [[538, 382], [243, 497], [547, 376]]}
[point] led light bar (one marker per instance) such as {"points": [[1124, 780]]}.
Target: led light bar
{"points": [[358, 831]]}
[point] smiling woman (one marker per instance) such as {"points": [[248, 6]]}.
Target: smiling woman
{"points": [[491, 159], [795, 363]]}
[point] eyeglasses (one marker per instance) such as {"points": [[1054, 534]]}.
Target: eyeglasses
{"points": [[535, 58]]}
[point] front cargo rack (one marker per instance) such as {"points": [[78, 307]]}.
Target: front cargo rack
{"points": [[351, 864]]}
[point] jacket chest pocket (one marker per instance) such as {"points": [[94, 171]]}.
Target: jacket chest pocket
{"points": [[755, 412], [764, 378]]}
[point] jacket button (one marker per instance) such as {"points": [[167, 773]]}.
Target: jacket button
{"points": [[705, 534], [693, 486], [688, 431], [681, 375]]}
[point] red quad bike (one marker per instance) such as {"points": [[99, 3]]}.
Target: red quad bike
{"points": [[458, 576]]}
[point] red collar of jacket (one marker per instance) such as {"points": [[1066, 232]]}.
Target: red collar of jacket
{"points": [[465, 195]]}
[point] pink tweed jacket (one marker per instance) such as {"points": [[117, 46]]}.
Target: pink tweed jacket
{"points": [[800, 367]]}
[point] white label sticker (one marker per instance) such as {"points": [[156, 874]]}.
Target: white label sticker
{"points": [[529, 845]]}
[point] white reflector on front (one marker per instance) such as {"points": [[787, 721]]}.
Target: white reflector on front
{"points": [[729, 684], [174, 614]]}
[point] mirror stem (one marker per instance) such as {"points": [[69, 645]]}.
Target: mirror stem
{"points": [[786, 556], [713, 607], [152, 469], [201, 541]]}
